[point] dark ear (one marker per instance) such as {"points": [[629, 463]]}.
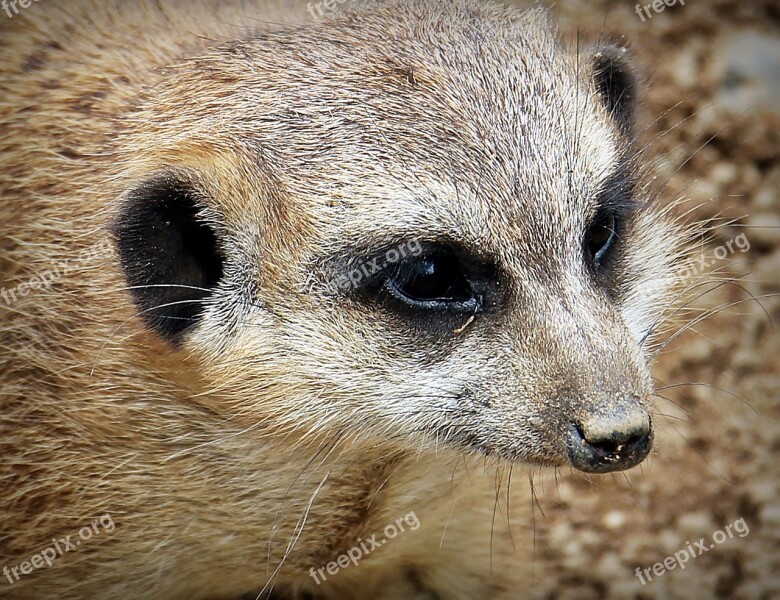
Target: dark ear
{"points": [[615, 82], [171, 257]]}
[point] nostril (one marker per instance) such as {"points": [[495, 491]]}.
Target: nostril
{"points": [[610, 442]]}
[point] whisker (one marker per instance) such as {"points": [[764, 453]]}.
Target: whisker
{"points": [[711, 313], [711, 386]]}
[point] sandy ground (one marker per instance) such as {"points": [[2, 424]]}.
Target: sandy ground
{"points": [[712, 112]]}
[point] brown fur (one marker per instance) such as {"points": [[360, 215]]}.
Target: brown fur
{"points": [[278, 436]]}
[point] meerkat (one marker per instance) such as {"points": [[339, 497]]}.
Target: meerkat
{"points": [[278, 285]]}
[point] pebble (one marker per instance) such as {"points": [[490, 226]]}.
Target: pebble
{"points": [[698, 523], [750, 76], [763, 228], [614, 519]]}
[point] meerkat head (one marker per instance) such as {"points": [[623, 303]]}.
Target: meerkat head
{"points": [[437, 233]]}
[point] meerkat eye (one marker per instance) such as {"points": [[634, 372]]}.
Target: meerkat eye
{"points": [[601, 235], [434, 281]]}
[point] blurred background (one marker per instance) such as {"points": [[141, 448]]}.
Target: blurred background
{"points": [[712, 114]]}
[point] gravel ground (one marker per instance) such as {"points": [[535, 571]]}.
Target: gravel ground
{"points": [[712, 112]]}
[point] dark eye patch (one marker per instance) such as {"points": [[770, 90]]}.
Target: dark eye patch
{"points": [[615, 205], [419, 280], [601, 235], [434, 281]]}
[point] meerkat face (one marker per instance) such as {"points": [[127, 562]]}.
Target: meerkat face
{"points": [[406, 243]]}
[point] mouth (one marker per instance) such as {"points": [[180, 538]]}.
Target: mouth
{"points": [[587, 449]]}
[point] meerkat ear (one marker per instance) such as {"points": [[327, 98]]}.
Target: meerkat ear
{"points": [[170, 255], [615, 82]]}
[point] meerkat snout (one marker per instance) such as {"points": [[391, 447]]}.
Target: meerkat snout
{"points": [[618, 436]]}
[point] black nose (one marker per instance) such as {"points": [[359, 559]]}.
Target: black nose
{"points": [[610, 441]]}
